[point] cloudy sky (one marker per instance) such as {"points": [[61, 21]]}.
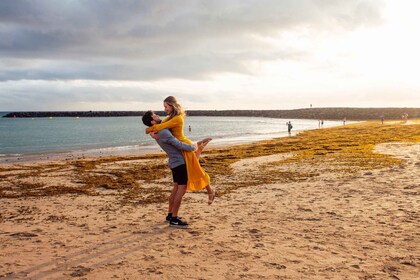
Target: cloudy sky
{"points": [[210, 54]]}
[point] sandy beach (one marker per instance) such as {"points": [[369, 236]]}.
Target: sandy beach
{"points": [[337, 203]]}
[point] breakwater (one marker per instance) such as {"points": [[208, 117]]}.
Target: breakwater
{"points": [[305, 113]]}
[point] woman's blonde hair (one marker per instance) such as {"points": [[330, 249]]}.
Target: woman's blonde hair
{"points": [[177, 108]]}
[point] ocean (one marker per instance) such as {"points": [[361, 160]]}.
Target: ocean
{"points": [[26, 137]]}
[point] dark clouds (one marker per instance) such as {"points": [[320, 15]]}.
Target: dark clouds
{"points": [[150, 40], [77, 95]]}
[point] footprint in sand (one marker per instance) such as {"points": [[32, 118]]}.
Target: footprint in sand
{"points": [[194, 233], [80, 271], [275, 265]]}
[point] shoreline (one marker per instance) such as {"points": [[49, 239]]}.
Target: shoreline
{"points": [[19, 139], [153, 148], [115, 152]]}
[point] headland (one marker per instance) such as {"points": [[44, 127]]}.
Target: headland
{"points": [[356, 114]]}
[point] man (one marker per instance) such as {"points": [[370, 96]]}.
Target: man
{"points": [[172, 147], [289, 127]]}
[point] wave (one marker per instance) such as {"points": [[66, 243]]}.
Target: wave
{"points": [[11, 155]]}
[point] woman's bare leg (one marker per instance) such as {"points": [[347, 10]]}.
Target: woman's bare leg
{"points": [[211, 193], [201, 145]]}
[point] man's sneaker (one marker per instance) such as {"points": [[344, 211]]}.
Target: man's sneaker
{"points": [[178, 223], [169, 217]]}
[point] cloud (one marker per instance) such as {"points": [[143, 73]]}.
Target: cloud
{"points": [[154, 40], [79, 95]]}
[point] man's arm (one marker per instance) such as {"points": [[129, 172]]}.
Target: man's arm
{"points": [[166, 136]]}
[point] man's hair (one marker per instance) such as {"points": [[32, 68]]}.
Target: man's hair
{"points": [[147, 118]]}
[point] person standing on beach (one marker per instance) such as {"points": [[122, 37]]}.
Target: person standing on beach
{"points": [[289, 127], [198, 179], [176, 162]]}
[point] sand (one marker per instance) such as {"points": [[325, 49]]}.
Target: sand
{"points": [[356, 226]]}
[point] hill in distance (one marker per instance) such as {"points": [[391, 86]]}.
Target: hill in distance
{"points": [[356, 114]]}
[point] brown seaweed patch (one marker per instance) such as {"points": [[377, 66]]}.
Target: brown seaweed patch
{"points": [[24, 189], [345, 150]]}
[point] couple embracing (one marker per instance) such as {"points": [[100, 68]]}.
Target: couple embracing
{"points": [[183, 156]]}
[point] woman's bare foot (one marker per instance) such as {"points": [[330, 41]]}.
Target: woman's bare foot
{"points": [[201, 145], [212, 195]]}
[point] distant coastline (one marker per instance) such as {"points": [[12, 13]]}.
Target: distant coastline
{"points": [[355, 114]]}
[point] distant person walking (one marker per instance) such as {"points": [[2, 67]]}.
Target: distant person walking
{"points": [[344, 121], [404, 117], [382, 119], [289, 127]]}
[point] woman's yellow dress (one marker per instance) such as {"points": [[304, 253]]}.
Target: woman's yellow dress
{"points": [[198, 179]]}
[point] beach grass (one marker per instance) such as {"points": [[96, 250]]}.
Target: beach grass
{"points": [[347, 150]]}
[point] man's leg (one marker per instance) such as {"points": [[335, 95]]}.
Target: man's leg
{"points": [[177, 199], [181, 177], [175, 220], [171, 201]]}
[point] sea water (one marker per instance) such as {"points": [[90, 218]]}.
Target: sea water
{"points": [[126, 135]]}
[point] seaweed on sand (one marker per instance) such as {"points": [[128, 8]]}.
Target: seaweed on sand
{"points": [[345, 150]]}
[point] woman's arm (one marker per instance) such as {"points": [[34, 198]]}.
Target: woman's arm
{"points": [[174, 122]]}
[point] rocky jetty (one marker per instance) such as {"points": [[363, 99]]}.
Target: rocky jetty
{"points": [[306, 113]]}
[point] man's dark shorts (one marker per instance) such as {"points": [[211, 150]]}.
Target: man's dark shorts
{"points": [[180, 175]]}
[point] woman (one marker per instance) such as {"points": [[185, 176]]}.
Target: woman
{"points": [[198, 179]]}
